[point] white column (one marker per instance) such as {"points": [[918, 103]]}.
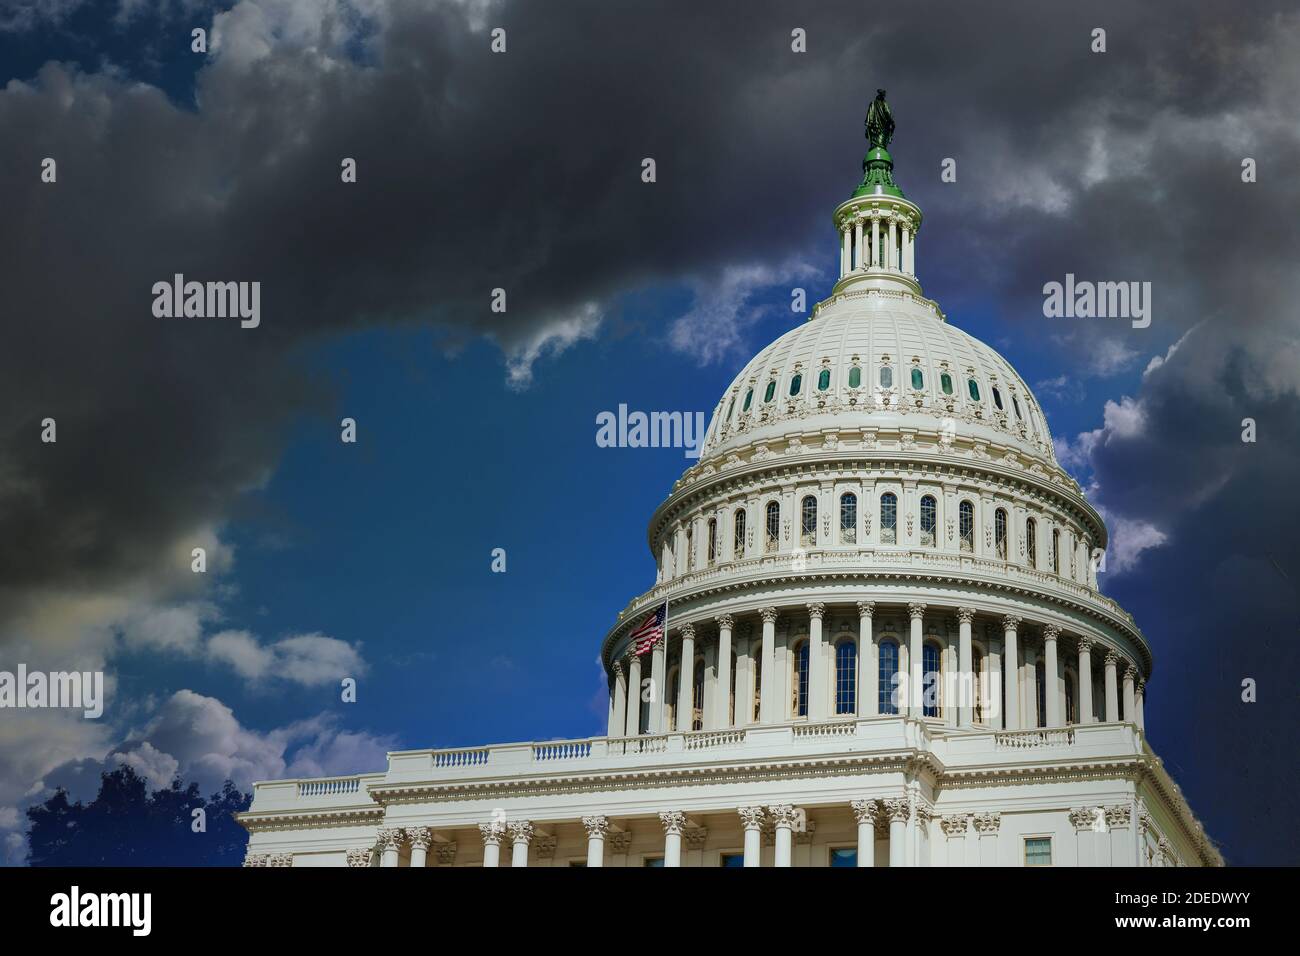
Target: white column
{"points": [[420, 838], [767, 669], [492, 834], [817, 671], [868, 662], [1051, 693], [864, 811], [993, 709], [521, 834], [686, 680], [846, 253], [673, 821], [965, 662], [891, 253], [722, 699], [875, 242], [1085, 680], [916, 701], [597, 827], [907, 252], [1130, 702], [658, 705], [390, 842], [783, 817], [633, 697], [898, 811], [618, 714], [987, 826], [1012, 662], [1140, 694], [857, 243], [1112, 689], [752, 819]]}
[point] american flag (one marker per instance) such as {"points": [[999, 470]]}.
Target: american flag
{"points": [[651, 629]]}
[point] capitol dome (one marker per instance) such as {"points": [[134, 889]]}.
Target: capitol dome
{"points": [[875, 637]]}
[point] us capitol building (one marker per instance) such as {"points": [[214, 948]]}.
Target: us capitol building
{"points": [[885, 643]]}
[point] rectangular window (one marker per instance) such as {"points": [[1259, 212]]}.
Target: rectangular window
{"points": [[653, 861], [731, 860], [844, 856], [1038, 851]]}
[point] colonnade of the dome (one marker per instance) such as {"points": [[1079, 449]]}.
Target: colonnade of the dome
{"points": [[953, 664]]}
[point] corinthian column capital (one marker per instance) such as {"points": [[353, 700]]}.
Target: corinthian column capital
{"points": [[492, 832], [1051, 632], [725, 621], [865, 811], [390, 838], [673, 821], [419, 837], [1011, 622], [816, 611], [752, 817], [916, 610], [521, 831], [768, 614], [687, 632], [965, 615], [866, 608], [596, 826]]}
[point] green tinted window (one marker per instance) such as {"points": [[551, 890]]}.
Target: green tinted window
{"points": [[974, 389], [771, 390], [824, 380], [997, 398], [855, 377], [945, 382], [886, 376], [918, 380], [749, 397], [796, 383]]}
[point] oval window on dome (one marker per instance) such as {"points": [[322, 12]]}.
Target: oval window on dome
{"points": [[749, 398], [824, 380], [918, 380], [771, 390], [997, 398], [974, 388], [945, 382], [855, 377], [796, 383], [1016, 405], [886, 376]]}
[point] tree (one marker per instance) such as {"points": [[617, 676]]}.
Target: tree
{"points": [[126, 825]]}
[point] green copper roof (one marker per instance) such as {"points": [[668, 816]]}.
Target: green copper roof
{"points": [[878, 165]]}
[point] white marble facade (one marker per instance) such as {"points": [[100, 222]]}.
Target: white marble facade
{"points": [[886, 645]]}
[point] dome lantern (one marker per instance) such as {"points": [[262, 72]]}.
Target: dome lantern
{"points": [[877, 225]]}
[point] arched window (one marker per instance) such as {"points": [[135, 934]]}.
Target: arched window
{"points": [[749, 399], [799, 703], [1056, 551], [808, 522], [929, 520], [755, 705], [848, 518], [771, 391], [796, 383], [930, 674], [731, 407], [886, 377], [773, 525], [966, 521], [846, 677], [674, 692], [738, 538], [690, 550], [855, 377], [697, 696], [1031, 541], [713, 540], [888, 518], [977, 689], [973, 387], [731, 694], [918, 379], [1016, 405], [1040, 685], [945, 383], [997, 398], [886, 701], [1000, 533], [824, 380]]}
